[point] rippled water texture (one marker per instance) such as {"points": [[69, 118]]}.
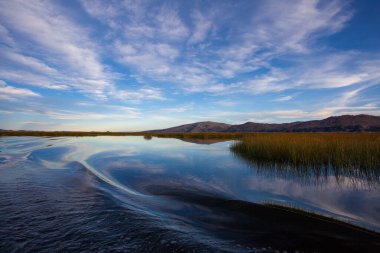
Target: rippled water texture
{"points": [[127, 194]]}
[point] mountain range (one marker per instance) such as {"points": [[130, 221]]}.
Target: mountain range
{"points": [[344, 123]]}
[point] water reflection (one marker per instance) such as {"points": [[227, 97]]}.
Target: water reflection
{"points": [[314, 174], [203, 141], [201, 197]]}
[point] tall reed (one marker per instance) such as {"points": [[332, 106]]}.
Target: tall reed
{"points": [[356, 154]]}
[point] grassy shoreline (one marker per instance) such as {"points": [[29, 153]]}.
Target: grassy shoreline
{"points": [[351, 151]]}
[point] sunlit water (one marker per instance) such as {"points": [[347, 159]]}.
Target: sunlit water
{"points": [[127, 194]]}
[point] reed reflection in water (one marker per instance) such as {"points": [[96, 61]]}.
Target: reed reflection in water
{"points": [[314, 155]]}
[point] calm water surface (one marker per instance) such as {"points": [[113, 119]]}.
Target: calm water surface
{"points": [[127, 194]]}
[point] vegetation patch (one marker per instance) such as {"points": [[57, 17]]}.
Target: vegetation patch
{"points": [[353, 154]]}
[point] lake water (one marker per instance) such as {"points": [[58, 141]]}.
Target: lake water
{"points": [[128, 194]]}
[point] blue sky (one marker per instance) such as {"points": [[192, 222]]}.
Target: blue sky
{"points": [[139, 65]]}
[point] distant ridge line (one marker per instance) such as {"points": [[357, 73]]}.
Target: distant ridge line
{"points": [[343, 123]]}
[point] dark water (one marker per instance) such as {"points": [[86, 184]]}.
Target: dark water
{"points": [[127, 194]]}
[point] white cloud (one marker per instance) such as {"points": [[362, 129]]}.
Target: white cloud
{"points": [[291, 25], [166, 50], [153, 58], [227, 103], [61, 114], [291, 115], [11, 93], [284, 98], [5, 36], [103, 11], [38, 124], [29, 78], [65, 45], [276, 28], [202, 26], [170, 24], [135, 96], [179, 108], [153, 43], [121, 108], [335, 71], [27, 61], [345, 103], [71, 115], [316, 72]]}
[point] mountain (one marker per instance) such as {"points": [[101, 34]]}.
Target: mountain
{"points": [[199, 127], [344, 123]]}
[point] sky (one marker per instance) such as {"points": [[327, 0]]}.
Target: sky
{"points": [[123, 65]]}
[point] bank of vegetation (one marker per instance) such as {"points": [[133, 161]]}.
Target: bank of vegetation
{"points": [[352, 152]]}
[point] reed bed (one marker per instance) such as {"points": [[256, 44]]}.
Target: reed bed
{"points": [[354, 153]]}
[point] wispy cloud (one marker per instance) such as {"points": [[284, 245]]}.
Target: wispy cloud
{"points": [[71, 115], [29, 124], [136, 57], [275, 30], [345, 103], [63, 44], [5, 37], [279, 116], [284, 98], [202, 27], [178, 108], [12, 93], [138, 94], [293, 25], [75, 115]]}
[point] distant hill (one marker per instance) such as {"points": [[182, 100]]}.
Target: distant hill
{"points": [[344, 123], [199, 127]]}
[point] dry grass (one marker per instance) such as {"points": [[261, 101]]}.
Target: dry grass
{"points": [[353, 153]]}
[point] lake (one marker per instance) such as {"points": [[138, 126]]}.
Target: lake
{"points": [[129, 194]]}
